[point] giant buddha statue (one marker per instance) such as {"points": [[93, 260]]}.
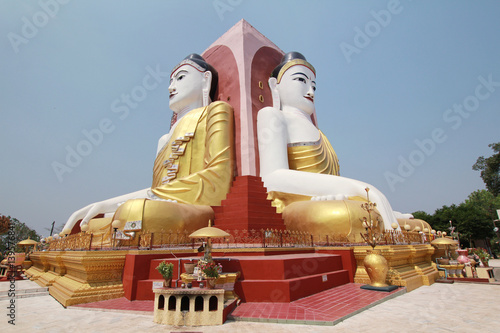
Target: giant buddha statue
{"points": [[194, 164], [300, 168]]}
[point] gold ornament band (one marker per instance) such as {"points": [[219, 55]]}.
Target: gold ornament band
{"points": [[294, 63], [188, 62]]}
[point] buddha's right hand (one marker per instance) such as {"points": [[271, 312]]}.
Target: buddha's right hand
{"points": [[86, 214], [89, 212], [95, 209], [106, 206]]}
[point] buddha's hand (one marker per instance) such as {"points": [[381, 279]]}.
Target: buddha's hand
{"points": [[102, 207], [330, 197], [97, 208]]}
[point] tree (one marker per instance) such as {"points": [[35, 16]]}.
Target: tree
{"points": [[480, 209], [442, 217], [490, 169], [421, 215], [472, 219], [18, 231]]}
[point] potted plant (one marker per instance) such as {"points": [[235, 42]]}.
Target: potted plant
{"points": [[211, 271], [189, 266], [166, 271], [482, 254]]}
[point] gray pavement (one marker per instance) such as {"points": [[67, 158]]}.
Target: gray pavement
{"points": [[458, 307]]}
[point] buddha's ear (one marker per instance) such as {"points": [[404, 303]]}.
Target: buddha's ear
{"points": [[207, 83], [273, 85]]}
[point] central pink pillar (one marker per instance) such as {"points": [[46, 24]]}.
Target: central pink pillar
{"points": [[244, 59]]}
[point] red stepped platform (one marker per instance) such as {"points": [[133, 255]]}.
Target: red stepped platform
{"points": [[140, 272], [246, 207], [145, 287], [285, 278], [264, 278]]}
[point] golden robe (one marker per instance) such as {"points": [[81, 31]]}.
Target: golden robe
{"points": [[194, 168], [340, 219], [317, 157]]}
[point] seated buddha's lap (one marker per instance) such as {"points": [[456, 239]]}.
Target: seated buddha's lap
{"points": [[156, 216], [335, 218]]}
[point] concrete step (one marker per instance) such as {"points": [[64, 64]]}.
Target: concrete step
{"points": [[289, 290], [23, 293], [272, 278]]}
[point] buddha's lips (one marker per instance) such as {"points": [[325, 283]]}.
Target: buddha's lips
{"points": [[310, 98], [172, 95]]}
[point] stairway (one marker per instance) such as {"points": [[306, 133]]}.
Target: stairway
{"points": [[267, 278], [23, 293], [246, 207], [285, 278]]}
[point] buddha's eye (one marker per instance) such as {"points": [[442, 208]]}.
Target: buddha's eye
{"points": [[314, 88], [301, 79], [180, 77]]}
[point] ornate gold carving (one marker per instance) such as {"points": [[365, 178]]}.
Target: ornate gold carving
{"points": [[293, 63], [410, 266]]}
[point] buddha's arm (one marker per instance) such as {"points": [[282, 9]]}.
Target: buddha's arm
{"points": [[102, 207], [328, 187], [209, 185], [274, 168], [277, 176], [272, 139]]}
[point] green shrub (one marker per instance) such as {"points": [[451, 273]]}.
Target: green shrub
{"points": [[165, 270]]}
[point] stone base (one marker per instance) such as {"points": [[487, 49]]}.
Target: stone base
{"points": [[386, 288], [69, 291], [225, 281], [76, 277], [47, 279], [33, 273], [410, 266], [189, 307], [427, 272]]}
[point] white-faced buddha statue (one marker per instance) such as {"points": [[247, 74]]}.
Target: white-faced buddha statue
{"points": [[299, 166], [194, 164]]}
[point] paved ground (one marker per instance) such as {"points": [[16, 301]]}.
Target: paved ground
{"points": [[458, 307]]}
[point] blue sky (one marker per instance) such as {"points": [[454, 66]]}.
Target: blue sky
{"points": [[408, 92]]}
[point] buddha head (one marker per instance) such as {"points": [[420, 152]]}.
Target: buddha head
{"points": [[193, 84], [293, 83]]}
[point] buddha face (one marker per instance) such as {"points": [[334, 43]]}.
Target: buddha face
{"points": [[186, 88], [296, 89]]}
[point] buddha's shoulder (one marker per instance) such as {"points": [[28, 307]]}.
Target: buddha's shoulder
{"points": [[269, 112], [220, 106]]}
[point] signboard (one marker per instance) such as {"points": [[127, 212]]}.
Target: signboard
{"points": [[157, 284], [133, 226]]}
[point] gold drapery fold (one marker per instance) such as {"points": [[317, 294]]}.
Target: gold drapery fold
{"points": [[318, 157], [196, 165]]}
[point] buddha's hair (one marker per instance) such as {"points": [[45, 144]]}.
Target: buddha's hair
{"points": [[201, 65]]}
